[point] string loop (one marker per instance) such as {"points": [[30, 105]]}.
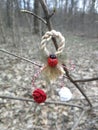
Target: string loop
{"points": [[47, 37]]}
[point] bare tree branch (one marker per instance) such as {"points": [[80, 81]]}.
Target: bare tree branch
{"points": [[49, 25], [2, 29], [22, 58], [50, 15], [47, 102], [77, 86], [79, 119], [86, 80], [29, 12]]}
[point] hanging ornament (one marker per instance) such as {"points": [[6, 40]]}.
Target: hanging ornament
{"points": [[53, 67], [39, 95], [65, 94]]}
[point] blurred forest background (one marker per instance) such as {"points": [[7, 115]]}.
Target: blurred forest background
{"points": [[77, 16], [20, 34]]}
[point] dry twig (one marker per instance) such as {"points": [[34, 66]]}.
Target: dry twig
{"points": [[79, 119], [77, 86], [47, 102], [22, 58], [29, 12], [49, 25], [86, 80]]}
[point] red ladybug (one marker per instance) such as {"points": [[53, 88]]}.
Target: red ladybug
{"points": [[52, 60]]}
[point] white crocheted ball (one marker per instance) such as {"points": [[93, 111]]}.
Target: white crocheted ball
{"points": [[65, 94]]}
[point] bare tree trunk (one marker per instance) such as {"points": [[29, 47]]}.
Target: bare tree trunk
{"points": [[82, 16], [13, 25], [92, 7], [36, 21], [71, 8], [55, 3], [92, 11], [83, 11], [66, 7], [2, 29], [28, 5], [8, 13], [27, 18], [71, 15]]}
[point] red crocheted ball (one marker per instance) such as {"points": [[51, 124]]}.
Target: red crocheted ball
{"points": [[39, 95], [52, 60]]}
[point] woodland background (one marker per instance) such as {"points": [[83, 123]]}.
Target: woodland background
{"points": [[77, 16], [20, 34]]}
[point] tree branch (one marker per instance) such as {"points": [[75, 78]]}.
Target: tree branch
{"points": [[77, 86], [49, 25], [29, 12], [47, 102], [86, 80], [50, 15], [22, 58], [79, 119]]}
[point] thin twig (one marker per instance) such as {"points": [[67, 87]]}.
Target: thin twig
{"points": [[50, 15], [86, 80], [22, 58], [29, 12], [79, 119], [77, 86], [47, 102], [49, 24]]}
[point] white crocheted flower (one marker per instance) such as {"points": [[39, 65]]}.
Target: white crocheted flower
{"points": [[65, 94]]}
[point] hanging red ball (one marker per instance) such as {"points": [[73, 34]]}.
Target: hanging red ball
{"points": [[39, 95], [52, 60]]}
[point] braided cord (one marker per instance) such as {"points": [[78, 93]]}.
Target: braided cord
{"points": [[47, 37]]}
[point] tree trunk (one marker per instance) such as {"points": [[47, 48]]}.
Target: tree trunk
{"points": [[36, 21], [8, 13], [2, 29], [92, 8], [66, 7], [83, 12]]}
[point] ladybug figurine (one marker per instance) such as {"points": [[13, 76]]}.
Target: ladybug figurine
{"points": [[52, 60]]}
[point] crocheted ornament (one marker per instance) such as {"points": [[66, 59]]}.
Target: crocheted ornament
{"points": [[65, 94], [53, 67], [39, 95]]}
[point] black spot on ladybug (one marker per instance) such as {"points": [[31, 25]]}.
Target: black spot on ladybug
{"points": [[53, 56]]}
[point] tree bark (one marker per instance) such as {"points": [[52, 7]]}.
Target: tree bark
{"points": [[36, 21], [8, 13]]}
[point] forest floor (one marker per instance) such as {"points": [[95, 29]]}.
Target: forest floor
{"points": [[16, 80]]}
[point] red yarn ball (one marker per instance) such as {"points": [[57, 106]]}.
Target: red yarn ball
{"points": [[52, 62], [39, 95]]}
